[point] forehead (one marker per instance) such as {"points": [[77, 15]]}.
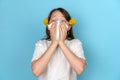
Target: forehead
{"points": [[57, 14]]}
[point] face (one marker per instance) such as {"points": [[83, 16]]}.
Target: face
{"points": [[57, 15]]}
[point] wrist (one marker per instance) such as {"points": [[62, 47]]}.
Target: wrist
{"points": [[54, 43], [61, 43]]}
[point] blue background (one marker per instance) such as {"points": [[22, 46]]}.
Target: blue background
{"points": [[98, 27]]}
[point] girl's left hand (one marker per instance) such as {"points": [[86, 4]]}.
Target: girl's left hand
{"points": [[63, 32]]}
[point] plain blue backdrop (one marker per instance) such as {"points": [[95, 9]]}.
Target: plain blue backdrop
{"points": [[98, 27]]}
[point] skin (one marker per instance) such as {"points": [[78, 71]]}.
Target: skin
{"points": [[40, 65]]}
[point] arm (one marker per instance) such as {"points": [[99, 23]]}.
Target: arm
{"points": [[76, 63], [40, 65]]}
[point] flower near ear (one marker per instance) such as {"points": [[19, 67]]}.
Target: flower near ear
{"points": [[72, 21], [46, 21]]}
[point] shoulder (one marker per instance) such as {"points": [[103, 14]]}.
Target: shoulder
{"points": [[75, 41], [41, 42]]}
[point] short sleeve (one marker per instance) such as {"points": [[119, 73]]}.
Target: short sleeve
{"points": [[39, 50], [77, 49]]}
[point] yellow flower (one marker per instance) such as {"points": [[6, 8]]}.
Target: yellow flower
{"points": [[72, 21], [46, 21]]}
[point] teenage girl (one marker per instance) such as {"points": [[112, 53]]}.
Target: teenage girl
{"points": [[59, 59]]}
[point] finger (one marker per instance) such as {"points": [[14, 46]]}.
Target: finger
{"points": [[61, 33], [64, 28], [61, 28], [53, 29]]}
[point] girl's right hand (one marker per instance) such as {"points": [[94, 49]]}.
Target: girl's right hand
{"points": [[53, 34]]}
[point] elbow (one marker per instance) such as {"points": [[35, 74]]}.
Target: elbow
{"points": [[79, 70], [36, 73]]}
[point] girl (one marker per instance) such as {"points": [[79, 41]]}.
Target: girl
{"points": [[59, 59]]}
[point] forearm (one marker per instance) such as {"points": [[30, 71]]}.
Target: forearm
{"points": [[39, 66], [76, 63]]}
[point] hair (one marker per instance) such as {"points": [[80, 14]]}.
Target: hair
{"points": [[67, 16]]}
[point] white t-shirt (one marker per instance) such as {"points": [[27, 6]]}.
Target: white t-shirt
{"points": [[58, 68]]}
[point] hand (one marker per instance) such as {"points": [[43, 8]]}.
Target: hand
{"points": [[63, 33]]}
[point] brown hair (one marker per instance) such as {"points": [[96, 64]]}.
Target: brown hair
{"points": [[67, 16]]}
